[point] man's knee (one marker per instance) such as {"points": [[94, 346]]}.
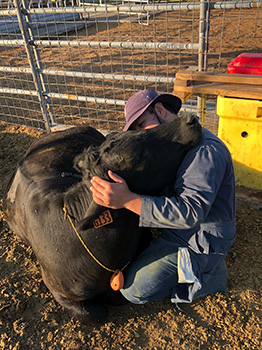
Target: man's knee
{"points": [[133, 295]]}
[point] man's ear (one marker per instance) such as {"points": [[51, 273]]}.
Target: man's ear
{"points": [[160, 110]]}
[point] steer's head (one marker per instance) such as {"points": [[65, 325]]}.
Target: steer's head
{"points": [[189, 130]]}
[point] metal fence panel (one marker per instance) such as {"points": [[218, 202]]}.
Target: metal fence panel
{"points": [[90, 57]]}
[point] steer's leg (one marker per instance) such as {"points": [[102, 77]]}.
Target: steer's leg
{"points": [[114, 298], [85, 311]]}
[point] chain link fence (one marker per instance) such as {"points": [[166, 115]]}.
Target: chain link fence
{"points": [[77, 62]]}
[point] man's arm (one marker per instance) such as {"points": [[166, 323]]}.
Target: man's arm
{"points": [[198, 181], [115, 195]]}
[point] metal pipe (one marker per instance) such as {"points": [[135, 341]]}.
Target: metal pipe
{"points": [[104, 76], [31, 58], [202, 54], [55, 95], [184, 6], [189, 106], [105, 44]]}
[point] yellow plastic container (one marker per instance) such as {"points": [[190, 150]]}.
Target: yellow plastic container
{"points": [[240, 127]]}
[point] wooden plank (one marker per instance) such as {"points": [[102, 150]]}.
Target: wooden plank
{"points": [[181, 82], [184, 96], [220, 77], [230, 90]]}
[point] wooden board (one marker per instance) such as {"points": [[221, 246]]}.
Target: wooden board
{"points": [[191, 82]]}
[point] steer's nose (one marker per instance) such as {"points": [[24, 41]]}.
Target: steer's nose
{"points": [[192, 119]]}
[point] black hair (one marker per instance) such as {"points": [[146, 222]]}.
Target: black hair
{"points": [[169, 107]]}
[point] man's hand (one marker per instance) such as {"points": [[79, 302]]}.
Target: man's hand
{"points": [[115, 195]]}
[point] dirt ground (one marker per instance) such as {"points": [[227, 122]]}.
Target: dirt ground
{"points": [[31, 319]]}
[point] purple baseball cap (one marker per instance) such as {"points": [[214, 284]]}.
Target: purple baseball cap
{"points": [[140, 101]]}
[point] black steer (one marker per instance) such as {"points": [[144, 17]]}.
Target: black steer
{"points": [[147, 159], [45, 183], [46, 199]]}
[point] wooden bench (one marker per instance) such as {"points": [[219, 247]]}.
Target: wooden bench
{"points": [[191, 82]]}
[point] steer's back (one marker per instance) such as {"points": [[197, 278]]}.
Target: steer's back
{"points": [[45, 168]]}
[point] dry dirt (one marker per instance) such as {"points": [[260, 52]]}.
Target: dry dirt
{"points": [[31, 319]]}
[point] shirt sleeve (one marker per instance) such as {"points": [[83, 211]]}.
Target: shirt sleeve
{"points": [[198, 180]]}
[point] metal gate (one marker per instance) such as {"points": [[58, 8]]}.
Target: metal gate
{"points": [[76, 63]]}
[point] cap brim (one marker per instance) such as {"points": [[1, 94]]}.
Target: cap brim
{"points": [[137, 115], [172, 100]]}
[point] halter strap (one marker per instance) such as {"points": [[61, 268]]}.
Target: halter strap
{"points": [[66, 215]]}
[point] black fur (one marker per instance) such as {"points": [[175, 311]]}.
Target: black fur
{"points": [[33, 206], [147, 159], [45, 181]]}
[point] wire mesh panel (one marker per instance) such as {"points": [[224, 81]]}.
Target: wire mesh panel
{"points": [[91, 69], [16, 107], [234, 28], [90, 56], [232, 32]]}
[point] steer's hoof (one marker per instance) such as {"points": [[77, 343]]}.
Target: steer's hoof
{"points": [[114, 298], [91, 311]]}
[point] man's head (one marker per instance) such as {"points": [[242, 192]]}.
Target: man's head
{"points": [[148, 109]]}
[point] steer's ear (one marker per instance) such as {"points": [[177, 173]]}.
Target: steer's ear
{"points": [[92, 213], [84, 224], [87, 159]]}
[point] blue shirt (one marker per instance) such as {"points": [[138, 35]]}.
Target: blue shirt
{"points": [[200, 217]]}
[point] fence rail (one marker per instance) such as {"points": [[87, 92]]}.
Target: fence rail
{"points": [[77, 63]]}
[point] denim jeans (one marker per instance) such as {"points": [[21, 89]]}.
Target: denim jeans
{"points": [[154, 274]]}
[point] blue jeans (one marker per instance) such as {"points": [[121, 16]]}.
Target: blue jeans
{"points": [[153, 274]]}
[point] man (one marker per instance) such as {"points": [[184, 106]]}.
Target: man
{"points": [[197, 222]]}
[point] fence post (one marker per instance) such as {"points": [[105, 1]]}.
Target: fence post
{"points": [[204, 20], [24, 21]]}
